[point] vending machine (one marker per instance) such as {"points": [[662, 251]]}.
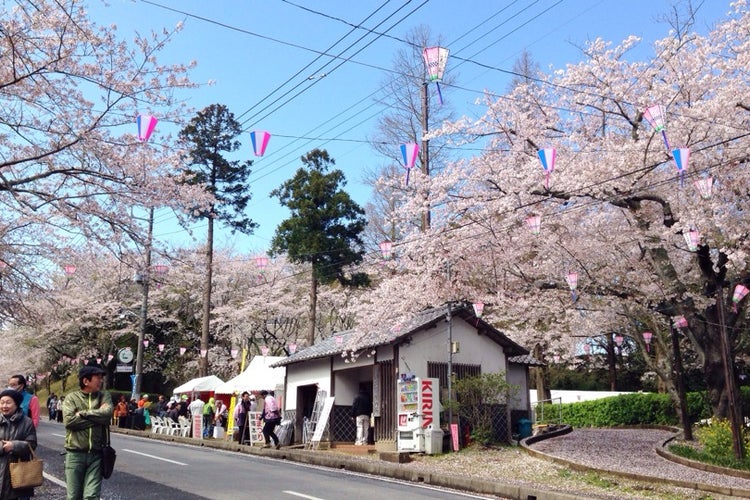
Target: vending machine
{"points": [[418, 414]]}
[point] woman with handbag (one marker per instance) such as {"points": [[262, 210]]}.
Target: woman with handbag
{"points": [[18, 440]]}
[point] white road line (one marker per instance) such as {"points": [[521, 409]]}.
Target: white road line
{"points": [[58, 435], [50, 477], [301, 495], [154, 457]]}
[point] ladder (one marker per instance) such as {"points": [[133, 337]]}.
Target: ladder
{"points": [[309, 423]]}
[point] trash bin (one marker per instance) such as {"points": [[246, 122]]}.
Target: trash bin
{"points": [[433, 440], [524, 428], [218, 432]]}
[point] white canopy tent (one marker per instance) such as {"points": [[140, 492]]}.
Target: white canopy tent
{"points": [[256, 377], [200, 384]]}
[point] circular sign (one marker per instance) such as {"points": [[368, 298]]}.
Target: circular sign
{"points": [[125, 355]]}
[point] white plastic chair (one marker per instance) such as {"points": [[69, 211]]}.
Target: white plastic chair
{"points": [[184, 426], [157, 425]]}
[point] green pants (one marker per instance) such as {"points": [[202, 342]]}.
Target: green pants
{"points": [[83, 475]]}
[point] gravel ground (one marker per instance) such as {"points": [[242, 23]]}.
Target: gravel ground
{"points": [[619, 450]]}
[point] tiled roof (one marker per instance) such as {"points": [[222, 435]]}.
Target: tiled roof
{"points": [[526, 359], [331, 347]]}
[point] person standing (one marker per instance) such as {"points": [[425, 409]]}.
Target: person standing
{"points": [[241, 416], [30, 405], [272, 418], [86, 415], [208, 418], [18, 436], [361, 410], [51, 406]]}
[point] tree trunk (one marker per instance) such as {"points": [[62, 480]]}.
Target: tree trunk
{"points": [[612, 362], [313, 306], [542, 377], [206, 319]]}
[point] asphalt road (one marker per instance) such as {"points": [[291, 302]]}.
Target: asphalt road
{"points": [[156, 469]]}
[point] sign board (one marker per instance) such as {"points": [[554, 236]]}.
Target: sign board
{"points": [[198, 426], [322, 421], [454, 436], [123, 368]]}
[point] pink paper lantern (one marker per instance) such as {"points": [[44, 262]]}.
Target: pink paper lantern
{"points": [[3, 265], [534, 223], [739, 293], [69, 269], [204, 353], [680, 322], [261, 262], [656, 117], [146, 125], [478, 308], [587, 349], [386, 249], [435, 60], [160, 347], [145, 343], [704, 187], [572, 279], [110, 357], [339, 340], [619, 340], [292, 348], [264, 350], [260, 140], [182, 350], [692, 238], [234, 353]]}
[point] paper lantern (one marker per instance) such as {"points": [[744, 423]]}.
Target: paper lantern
{"points": [[292, 348], [572, 279], [204, 353], [261, 262], [145, 343], [264, 350], [409, 155], [260, 140], [435, 60], [146, 125], [692, 238], [679, 322], [160, 347], [534, 223], [69, 269], [182, 350], [657, 117], [478, 308], [704, 187], [739, 293], [587, 349], [619, 340], [681, 159], [339, 340], [385, 249], [548, 157]]}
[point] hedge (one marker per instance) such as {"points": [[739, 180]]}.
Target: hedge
{"points": [[632, 409]]}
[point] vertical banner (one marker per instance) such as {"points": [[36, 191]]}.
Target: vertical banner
{"points": [[454, 436]]}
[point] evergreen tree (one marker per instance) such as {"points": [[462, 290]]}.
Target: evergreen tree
{"points": [[324, 229], [212, 132]]}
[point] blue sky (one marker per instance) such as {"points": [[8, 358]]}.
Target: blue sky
{"points": [[250, 48]]}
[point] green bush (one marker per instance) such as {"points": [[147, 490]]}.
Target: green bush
{"points": [[631, 409]]}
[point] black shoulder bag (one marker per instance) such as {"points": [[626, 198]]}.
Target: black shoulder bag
{"points": [[108, 457]]}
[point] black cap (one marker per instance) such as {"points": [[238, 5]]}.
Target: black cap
{"points": [[89, 371], [17, 396]]}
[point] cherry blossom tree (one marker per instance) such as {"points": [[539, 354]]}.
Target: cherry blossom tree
{"points": [[72, 166], [615, 210]]}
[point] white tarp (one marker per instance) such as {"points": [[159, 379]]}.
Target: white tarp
{"points": [[256, 377], [200, 384]]}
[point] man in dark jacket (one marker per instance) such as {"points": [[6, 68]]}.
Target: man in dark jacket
{"points": [[361, 410], [86, 415]]}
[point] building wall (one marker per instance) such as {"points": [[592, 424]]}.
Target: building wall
{"points": [[517, 375], [432, 345], [316, 371]]}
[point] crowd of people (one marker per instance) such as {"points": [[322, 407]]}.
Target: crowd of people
{"points": [[87, 413]]}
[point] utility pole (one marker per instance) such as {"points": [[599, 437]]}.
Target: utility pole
{"points": [[425, 148], [145, 283]]}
